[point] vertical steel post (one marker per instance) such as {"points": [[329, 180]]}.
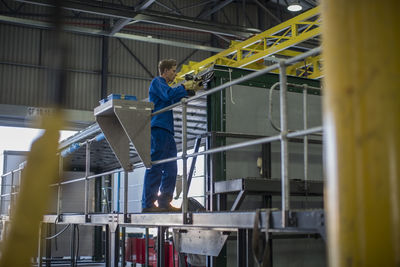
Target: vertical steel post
{"points": [[160, 247], [123, 246], [39, 251], [305, 138], [12, 190], [242, 248], [125, 195], [284, 143], [72, 245], [87, 172], [112, 250], [146, 262], [1, 194], [59, 192], [184, 160], [362, 131]]}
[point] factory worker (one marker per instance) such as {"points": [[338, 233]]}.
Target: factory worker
{"points": [[162, 177]]}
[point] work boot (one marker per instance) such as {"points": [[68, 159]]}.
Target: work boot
{"points": [[171, 208], [154, 209]]}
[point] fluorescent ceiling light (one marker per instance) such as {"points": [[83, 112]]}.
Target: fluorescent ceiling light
{"points": [[294, 7]]}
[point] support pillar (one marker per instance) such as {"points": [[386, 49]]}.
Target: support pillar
{"points": [[362, 131]]}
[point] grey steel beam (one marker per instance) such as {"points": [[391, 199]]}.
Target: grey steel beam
{"points": [[215, 9], [268, 11], [177, 11], [171, 10], [309, 221], [104, 66], [7, 6], [23, 116], [109, 10], [197, 25], [195, 5], [144, 5], [98, 32], [119, 25], [136, 58]]}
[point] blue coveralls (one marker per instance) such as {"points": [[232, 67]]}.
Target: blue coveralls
{"points": [[162, 176]]}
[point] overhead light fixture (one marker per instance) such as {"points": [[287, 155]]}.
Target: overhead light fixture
{"points": [[294, 6]]}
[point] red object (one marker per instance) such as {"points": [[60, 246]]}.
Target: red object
{"points": [[135, 252]]}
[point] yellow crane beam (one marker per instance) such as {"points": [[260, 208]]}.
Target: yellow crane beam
{"points": [[251, 52]]}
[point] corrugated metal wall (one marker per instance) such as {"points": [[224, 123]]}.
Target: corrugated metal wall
{"points": [[25, 55]]}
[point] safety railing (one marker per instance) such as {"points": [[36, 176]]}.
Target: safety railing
{"points": [[283, 137]]}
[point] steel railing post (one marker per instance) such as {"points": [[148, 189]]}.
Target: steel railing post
{"points": [[284, 143], [87, 172], [184, 160]]}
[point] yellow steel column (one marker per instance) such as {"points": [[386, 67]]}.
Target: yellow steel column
{"points": [[361, 53]]}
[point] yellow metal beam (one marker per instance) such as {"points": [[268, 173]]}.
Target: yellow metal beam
{"points": [[21, 242], [249, 53], [362, 128]]}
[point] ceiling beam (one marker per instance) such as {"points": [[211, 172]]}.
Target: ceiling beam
{"points": [[119, 25], [268, 11], [215, 9], [98, 32], [109, 10], [144, 5]]}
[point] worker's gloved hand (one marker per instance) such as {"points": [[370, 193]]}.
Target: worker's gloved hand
{"points": [[193, 85], [189, 85], [198, 85]]}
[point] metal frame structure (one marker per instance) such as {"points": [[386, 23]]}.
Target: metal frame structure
{"points": [[270, 221], [248, 53]]}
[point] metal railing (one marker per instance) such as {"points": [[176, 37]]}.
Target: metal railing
{"points": [[283, 137]]}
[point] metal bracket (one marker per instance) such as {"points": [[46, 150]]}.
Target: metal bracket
{"points": [[188, 218], [88, 218], [124, 121], [321, 226], [113, 222], [127, 218], [292, 219], [201, 242]]}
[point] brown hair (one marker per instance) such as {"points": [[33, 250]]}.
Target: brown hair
{"points": [[166, 64]]}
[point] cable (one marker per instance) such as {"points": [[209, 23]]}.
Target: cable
{"points": [[59, 233], [230, 87], [270, 107], [77, 245]]}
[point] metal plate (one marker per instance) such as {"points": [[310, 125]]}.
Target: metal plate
{"points": [[202, 242]]}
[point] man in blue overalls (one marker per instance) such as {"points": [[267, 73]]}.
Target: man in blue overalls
{"points": [[162, 177]]}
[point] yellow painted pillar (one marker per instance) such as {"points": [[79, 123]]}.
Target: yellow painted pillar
{"points": [[361, 53]]}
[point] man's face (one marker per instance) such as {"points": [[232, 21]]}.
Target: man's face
{"points": [[170, 74]]}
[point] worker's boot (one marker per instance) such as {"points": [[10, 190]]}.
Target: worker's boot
{"points": [[154, 209], [171, 208], [164, 202]]}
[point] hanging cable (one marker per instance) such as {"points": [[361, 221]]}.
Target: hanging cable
{"points": [[77, 244], [59, 233], [230, 87]]}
